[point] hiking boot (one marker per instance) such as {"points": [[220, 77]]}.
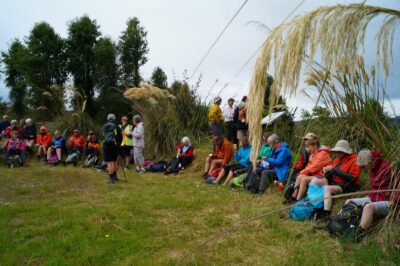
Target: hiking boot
{"points": [[323, 215]]}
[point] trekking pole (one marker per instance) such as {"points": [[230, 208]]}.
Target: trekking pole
{"points": [[123, 170]]}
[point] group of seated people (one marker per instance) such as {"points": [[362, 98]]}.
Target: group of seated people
{"points": [[315, 166], [17, 141]]}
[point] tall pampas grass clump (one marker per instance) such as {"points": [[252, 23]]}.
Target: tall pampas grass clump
{"points": [[334, 33]]}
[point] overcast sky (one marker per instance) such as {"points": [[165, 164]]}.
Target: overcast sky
{"points": [[179, 33]]}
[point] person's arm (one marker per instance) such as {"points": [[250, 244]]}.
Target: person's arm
{"points": [[138, 133], [237, 156], [343, 175], [189, 153]]}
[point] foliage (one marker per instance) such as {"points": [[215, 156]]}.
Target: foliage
{"points": [[3, 106], [169, 117], [83, 35], [14, 60], [54, 98], [133, 49], [159, 78]]}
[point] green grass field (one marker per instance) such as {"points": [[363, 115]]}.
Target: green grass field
{"points": [[71, 216]]}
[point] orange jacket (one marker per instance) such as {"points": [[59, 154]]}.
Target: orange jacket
{"points": [[224, 152], [76, 142], [346, 164], [43, 139], [318, 160]]}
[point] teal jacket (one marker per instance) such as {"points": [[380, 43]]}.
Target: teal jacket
{"points": [[242, 156], [266, 151]]}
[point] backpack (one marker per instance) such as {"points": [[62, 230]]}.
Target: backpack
{"points": [[53, 159], [238, 182], [90, 160], [252, 182], [302, 211], [289, 191], [72, 158], [160, 166], [347, 218], [109, 133]]}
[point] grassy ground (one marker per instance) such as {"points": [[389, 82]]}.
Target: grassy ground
{"points": [[70, 216]]}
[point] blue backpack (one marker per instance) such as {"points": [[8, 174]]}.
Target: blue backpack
{"points": [[160, 166], [305, 211]]}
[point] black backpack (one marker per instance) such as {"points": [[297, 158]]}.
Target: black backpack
{"points": [[252, 181], [347, 218], [289, 190]]}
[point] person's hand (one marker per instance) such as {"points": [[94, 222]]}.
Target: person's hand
{"points": [[235, 146], [264, 158], [326, 169]]}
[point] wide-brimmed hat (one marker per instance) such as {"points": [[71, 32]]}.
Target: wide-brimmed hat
{"points": [[342, 146], [310, 136], [217, 99]]}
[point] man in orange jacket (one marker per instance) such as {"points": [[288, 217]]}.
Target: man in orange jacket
{"points": [[220, 158], [76, 143]]}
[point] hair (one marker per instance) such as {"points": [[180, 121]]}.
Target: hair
{"points": [[244, 140], [57, 132], [14, 122], [312, 142], [137, 118], [273, 139], [124, 116], [364, 157], [218, 137], [186, 141], [28, 120], [110, 117], [265, 136]]}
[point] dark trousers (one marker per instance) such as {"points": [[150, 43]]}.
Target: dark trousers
{"points": [[230, 131], [266, 178]]}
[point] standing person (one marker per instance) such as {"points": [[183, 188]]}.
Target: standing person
{"points": [[138, 143], [29, 134], [236, 115], [215, 117], [4, 125], [43, 141], [241, 126], [127, 142], [112, 139], [230, 127]]}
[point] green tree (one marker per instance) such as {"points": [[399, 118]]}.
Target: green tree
{"points": [[45, 66], [159, 78], [132, 48], [83, 35], [106, 81], [15, 80]]}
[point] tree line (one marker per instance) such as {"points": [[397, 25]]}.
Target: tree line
{"points": [[99, 69]]}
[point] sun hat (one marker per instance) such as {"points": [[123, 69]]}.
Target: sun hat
{"points": [[342, 146], [217, 99], [309, 136]]}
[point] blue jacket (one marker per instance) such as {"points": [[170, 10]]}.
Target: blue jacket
{"points": [[280, 160], [58, 143], [242, 156]]}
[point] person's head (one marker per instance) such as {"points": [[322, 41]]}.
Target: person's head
{"points": [[43, 129], [217, 100], [57, 134], [76, 132], [265, 137], [273, 141], [14, 123], [124, 120], [5, 118], [91, 133], [342, 148], [364, 159], [244, 141], [136, 119], [14, 135], [230, 102], [111, 117], [29, 122], [218, 140], [244, 99], [312, 145], [186, 141]]}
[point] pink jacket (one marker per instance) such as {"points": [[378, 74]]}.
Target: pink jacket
{"points": [[17, 145]]}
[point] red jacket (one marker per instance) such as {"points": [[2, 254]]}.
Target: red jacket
{"points": [[76, 142], [188, 153], [224, 152], [43, 139], [380, 178], [345, 170], [317, 161], [18, 129]]}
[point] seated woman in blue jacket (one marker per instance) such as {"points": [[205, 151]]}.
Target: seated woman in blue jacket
{"points": [[56, 146], [242, 158], [279, 164]]}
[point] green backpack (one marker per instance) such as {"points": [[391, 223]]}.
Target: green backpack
{"points": [[238, 182], [109, 133]]}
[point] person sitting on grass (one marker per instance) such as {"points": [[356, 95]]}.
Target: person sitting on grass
{"points": [[43, 141], [15, 147], [343, 176], [14, 127], [319, 158], [242, 158], [56, 146], [302, 161], [29, 134], [279, 164], [266, 149], [183, 158], [377, 204], [76, 142], [220, 158], [92, 146]]}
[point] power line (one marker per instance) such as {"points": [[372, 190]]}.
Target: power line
{"points": [[259, 48], [216, 40]]}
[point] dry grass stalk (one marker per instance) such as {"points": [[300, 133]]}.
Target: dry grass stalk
{"points": [[336, 32]]}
